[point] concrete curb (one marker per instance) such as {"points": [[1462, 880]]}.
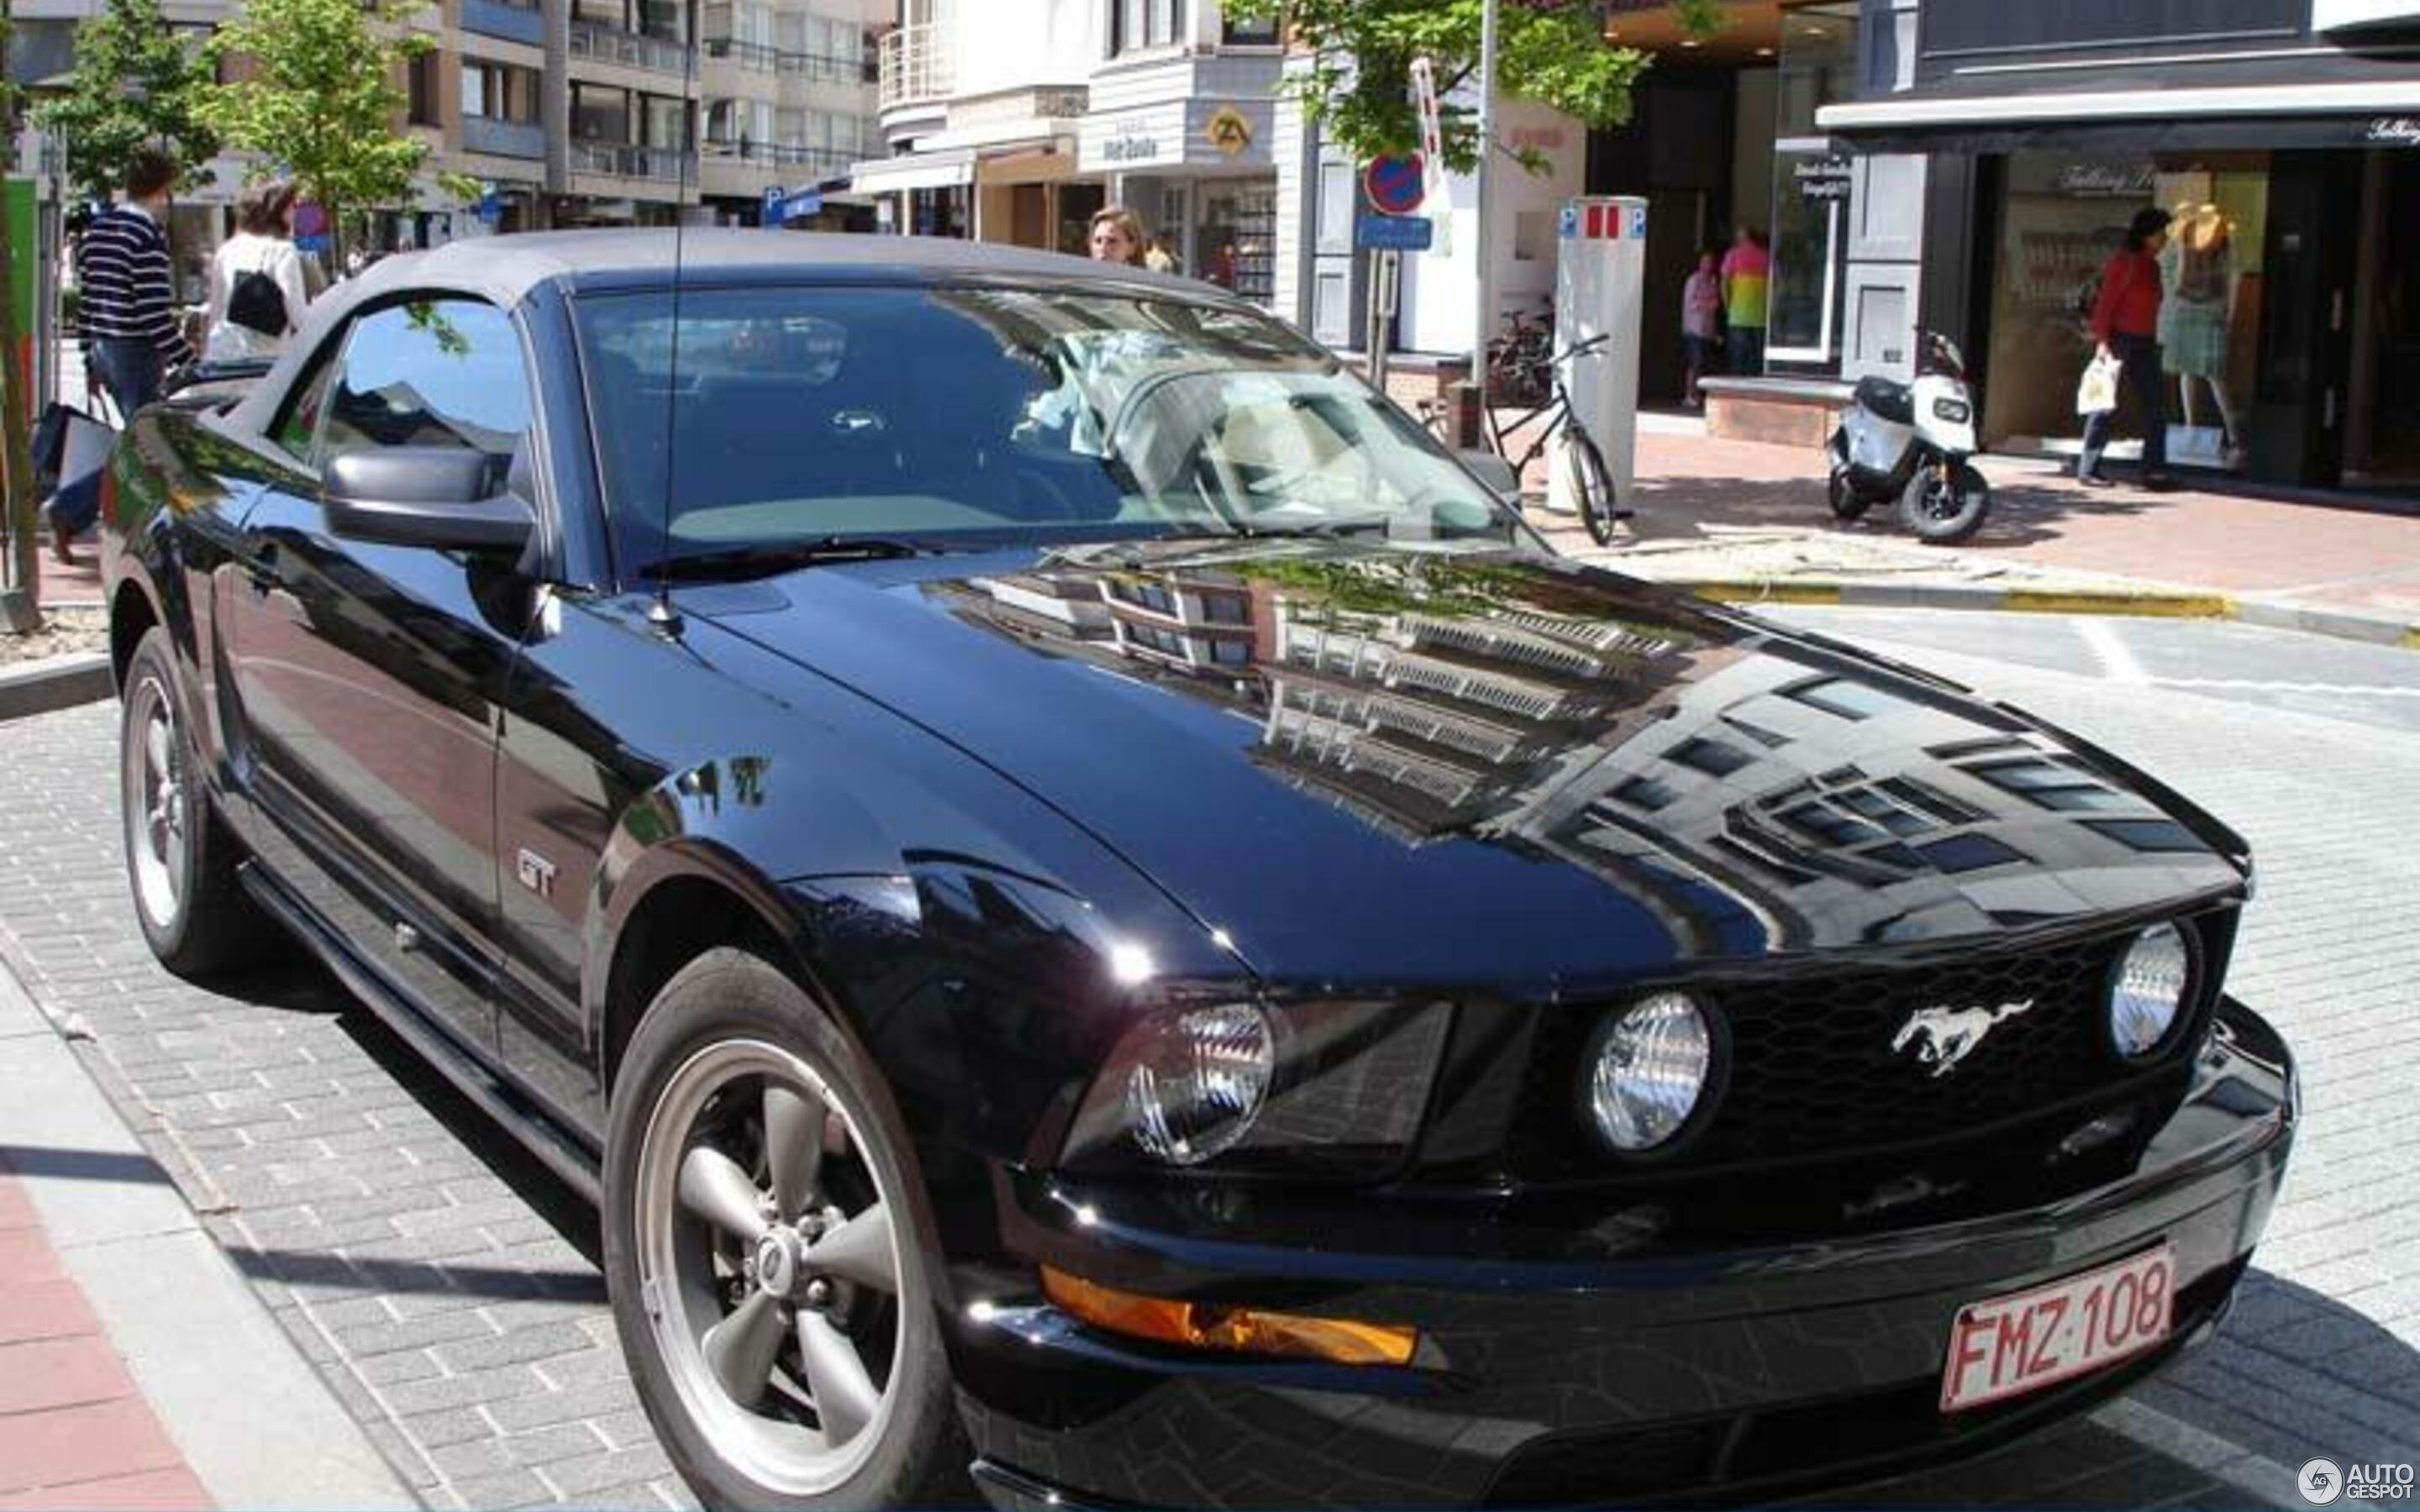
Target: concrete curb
{"points": [[257, 1425], [2184, 605], [54, 683]]}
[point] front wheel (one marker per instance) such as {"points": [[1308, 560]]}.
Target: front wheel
{"points": [[1848, 506], [763, 1248], [1944, 503], [180, 859], [1591, 487]]}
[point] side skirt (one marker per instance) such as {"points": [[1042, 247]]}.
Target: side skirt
{"points": [[559, 1151]]}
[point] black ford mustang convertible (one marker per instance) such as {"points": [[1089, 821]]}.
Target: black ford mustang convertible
{"points": [[1097, 913]]}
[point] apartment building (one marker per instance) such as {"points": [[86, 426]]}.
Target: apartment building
{"points": [[1013, 120], [640, 112]]}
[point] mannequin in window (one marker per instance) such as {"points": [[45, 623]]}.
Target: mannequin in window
{"points": [[2198, 314]]}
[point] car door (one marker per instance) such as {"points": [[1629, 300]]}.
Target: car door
{"points": [[368, 674]]}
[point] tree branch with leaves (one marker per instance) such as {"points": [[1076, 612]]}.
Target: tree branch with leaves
{"points": [[316, 95], [136, 83], [1354, 83]]}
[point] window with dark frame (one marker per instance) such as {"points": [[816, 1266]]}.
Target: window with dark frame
{"points": [[1139, 25]]}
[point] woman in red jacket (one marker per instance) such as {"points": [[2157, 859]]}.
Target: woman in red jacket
{"points": [[2126, 324]]}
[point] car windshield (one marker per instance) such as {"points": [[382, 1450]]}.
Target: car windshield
{"points": [[787, 416]]}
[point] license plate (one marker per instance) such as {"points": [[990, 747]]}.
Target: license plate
{"points": [[2007, 1346]]}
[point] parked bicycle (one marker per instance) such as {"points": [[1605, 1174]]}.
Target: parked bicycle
{"points": [[1591, 481], [1518, 360]]}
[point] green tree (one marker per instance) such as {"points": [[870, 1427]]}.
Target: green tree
{"points": [[137, 84], [316, 95], [1553, 51]]}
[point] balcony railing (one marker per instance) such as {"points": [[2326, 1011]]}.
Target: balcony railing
{"points": [[630, 49], [824, 163], [504, 139], [625, 162], [915, 66], [514, 23], [763, 59]]}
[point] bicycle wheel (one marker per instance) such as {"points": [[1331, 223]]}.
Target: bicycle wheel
{"points": [[1591, 487]]}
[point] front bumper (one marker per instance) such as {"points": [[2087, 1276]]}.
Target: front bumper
{"points": [[1584, 1366]]}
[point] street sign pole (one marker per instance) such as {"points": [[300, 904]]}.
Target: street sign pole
{"points": [[1483, 243]]}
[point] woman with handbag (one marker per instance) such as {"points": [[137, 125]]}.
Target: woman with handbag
{"points": [[257, 295], [2125, 328]]}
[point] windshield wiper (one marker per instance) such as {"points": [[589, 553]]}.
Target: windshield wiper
{"points": [[1317, 530], [780, 556]]}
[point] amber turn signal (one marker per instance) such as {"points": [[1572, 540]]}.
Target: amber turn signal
{"points": [[1243, 1330]]}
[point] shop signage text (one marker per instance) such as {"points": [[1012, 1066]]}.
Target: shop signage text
{"points": [[2099, 180], [2394, 132], [1131, 141], [1823, 179]]}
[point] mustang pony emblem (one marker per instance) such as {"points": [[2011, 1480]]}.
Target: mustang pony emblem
{"points": [[1943, 1037]]}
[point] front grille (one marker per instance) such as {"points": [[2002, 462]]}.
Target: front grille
{"points": [[1813, 1072]]}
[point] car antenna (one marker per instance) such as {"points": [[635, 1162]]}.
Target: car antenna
{"points": [[661, 614]]}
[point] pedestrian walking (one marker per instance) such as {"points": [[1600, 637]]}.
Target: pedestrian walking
{"points": [[2125, 328], [1702, 303], [127, 301], [1117, 237], [257, 290], [1748, 284]]}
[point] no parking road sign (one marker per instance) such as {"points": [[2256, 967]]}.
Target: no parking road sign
{"points": [[1396, 185]]}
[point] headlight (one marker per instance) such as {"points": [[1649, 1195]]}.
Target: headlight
{"points": [[1649, 1070], [1328, 1088], [1198, 1080], [2148, 991], [1953, 411]]}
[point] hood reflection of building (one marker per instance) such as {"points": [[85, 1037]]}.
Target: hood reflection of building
{"points": [[1740, 788], [1796, 793]]}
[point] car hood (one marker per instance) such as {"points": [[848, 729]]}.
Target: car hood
{"points": [[1374, 767]]}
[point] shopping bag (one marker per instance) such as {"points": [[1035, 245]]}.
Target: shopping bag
{"points": [[2097, 393]]}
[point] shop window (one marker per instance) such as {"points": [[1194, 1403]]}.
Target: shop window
{"points": [[2061, 217], [1809, 225]]}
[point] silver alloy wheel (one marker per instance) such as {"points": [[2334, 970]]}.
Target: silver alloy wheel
{"points": [[775, 1309], [154, 801]]}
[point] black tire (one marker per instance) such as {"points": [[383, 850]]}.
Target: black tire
{"points": [[1848, 506], [180, 860], [1591, 487], [726, 1003], [1944, 510]]}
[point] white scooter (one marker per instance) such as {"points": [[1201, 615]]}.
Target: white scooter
{"points": [[1912, 443]]}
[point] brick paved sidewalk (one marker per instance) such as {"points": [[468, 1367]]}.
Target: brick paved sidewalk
{"points": [[75, 1431], [1728, 496]]}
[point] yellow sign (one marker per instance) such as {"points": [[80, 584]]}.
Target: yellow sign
{"points": [[1228, 131]]}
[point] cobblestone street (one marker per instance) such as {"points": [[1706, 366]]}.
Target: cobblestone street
{"points": [[445, 1288]]}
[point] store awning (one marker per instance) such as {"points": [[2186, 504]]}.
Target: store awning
{"points": [[2351, 114], [922, 170]]}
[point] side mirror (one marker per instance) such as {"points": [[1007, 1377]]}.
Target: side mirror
{"points": [[1495, 471], [441, 496]]}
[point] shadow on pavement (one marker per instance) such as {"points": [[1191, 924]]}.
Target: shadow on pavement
{"points": [[305, 987], [1705, 508]]}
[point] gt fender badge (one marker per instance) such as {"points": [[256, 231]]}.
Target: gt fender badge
{"points": [[535, 871], [1943, 1037]]}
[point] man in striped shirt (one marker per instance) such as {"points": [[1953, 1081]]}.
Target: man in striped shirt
{"points": [[127, 303], [128, 289]]}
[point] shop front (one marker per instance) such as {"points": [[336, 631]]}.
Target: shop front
{"points": [[2287, 159], [1198, 169]]}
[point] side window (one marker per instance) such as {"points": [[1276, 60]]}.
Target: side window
{"points": [[436, 371]]}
